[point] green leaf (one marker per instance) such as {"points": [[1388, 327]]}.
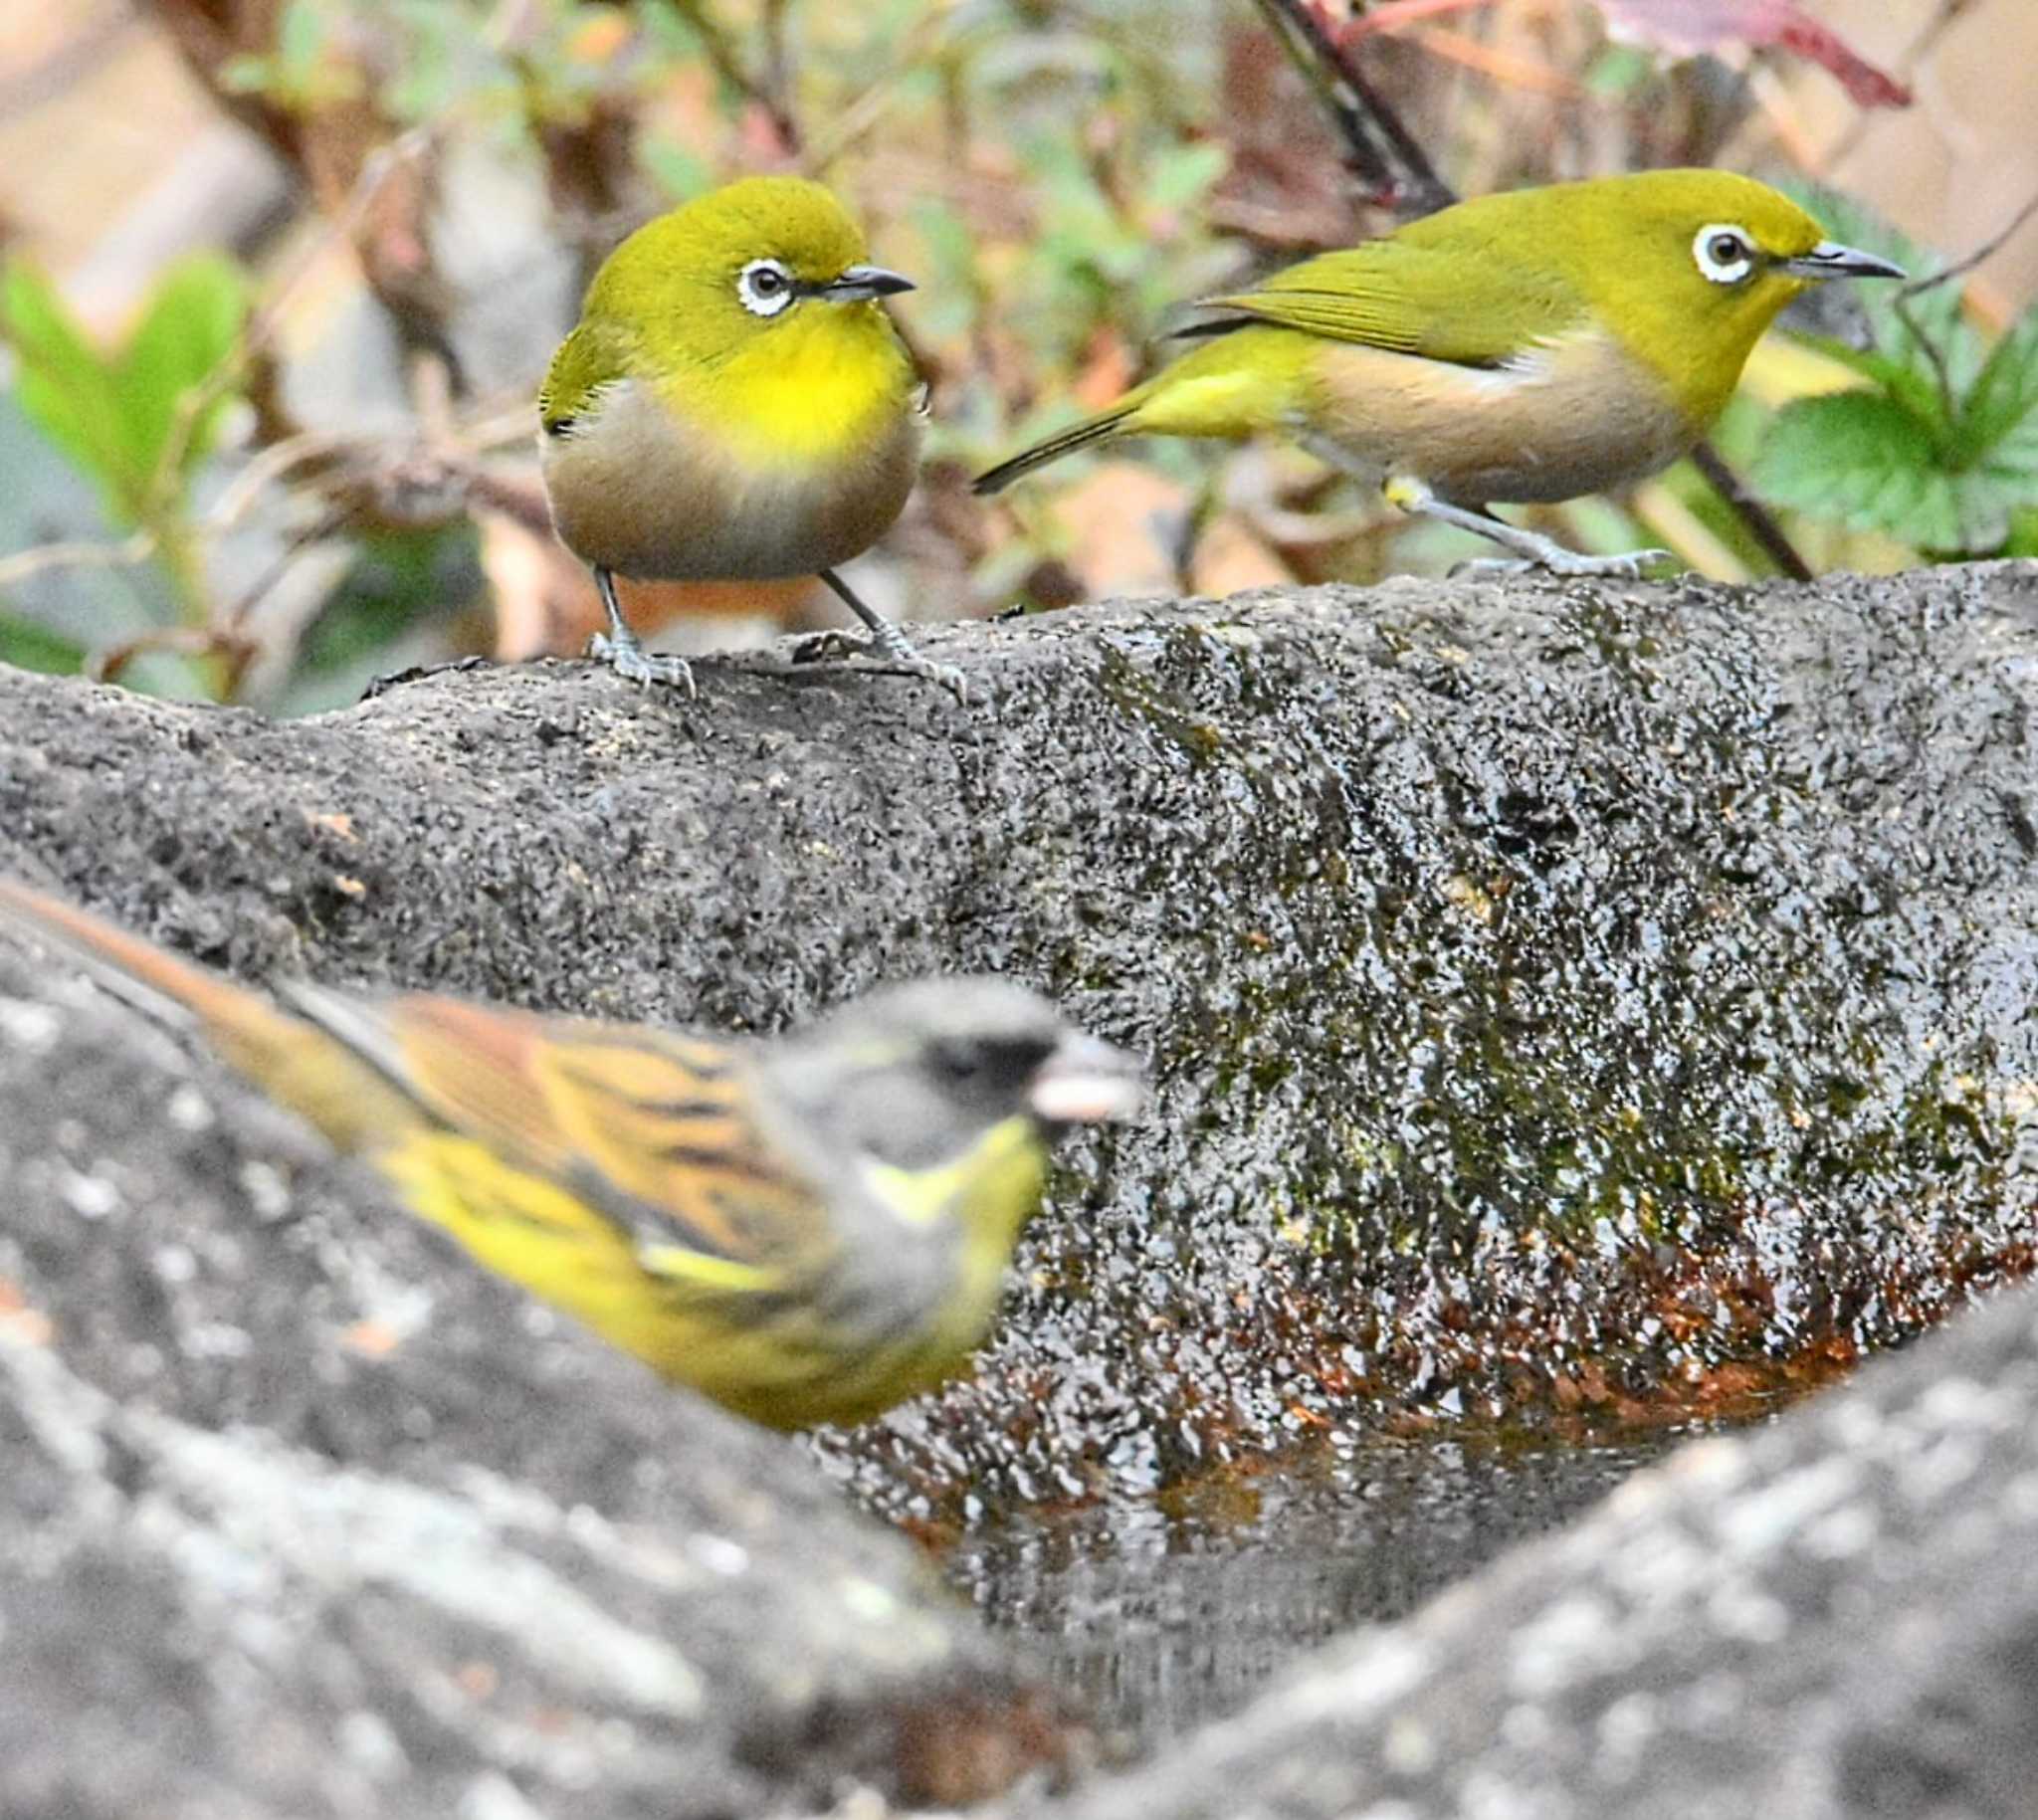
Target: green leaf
{"points": [[114, 415], [191, 326], [1180, 175], [1894, 324], [65, 388], [2005, 393], [300, 39], [29, 646], [1861, 458]]}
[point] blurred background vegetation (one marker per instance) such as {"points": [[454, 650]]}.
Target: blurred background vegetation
{"points": [[278, 277]]}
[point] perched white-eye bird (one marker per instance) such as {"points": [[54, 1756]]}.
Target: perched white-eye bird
{"points": [[733, 404], [1530, 347]]}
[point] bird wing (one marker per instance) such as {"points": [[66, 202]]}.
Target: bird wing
{"points": [[1472, 306], [653, 1133], [589, 360]]}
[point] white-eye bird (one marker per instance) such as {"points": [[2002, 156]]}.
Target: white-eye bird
{"points": [[1523, 347], [733, 404]]}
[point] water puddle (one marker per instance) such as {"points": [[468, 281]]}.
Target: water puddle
{"points": [[1157, 1616]]}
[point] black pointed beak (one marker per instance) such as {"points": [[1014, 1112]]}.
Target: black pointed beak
{"points": [[1086, 1081], [860, 283], [1831, 260]]}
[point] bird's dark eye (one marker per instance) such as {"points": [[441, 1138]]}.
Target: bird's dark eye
{"points": [[961, 1060], [999, 1065], [1722, 254], [764, 287]]}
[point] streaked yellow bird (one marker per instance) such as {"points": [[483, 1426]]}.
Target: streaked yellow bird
{"points": [[1523, 347], [733, 405], [806, 1229]]}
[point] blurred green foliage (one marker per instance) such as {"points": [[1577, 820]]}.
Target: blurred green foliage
{"points": [[140, 418], [1059, 175], [1939, 447]]}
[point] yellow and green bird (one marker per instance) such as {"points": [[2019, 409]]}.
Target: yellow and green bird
{"points": [[807, 1230], [733, 404], [1523, 347]]}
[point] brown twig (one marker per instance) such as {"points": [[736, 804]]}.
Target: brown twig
{"points": [[1755, 517], [234, 652], [1987, 250], [720, 48], [261, 325], [1918, 287], [1381, 150], [1393, 14], [130, 553]]}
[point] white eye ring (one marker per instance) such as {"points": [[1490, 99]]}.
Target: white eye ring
{"points": [[764, 287], [1723, 253]]}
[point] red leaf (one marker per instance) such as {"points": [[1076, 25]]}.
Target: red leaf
{"points": [[1684, 28]]}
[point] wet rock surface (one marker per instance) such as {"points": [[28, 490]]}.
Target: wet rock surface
{"points": [[1834, 1617], [302, 1516], [1563, 999]]}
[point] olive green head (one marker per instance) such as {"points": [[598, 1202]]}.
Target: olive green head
{"points": [[1687, 267], [756, 255], [917, 1076]]}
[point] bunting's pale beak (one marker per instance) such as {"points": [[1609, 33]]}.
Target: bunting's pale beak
{"points": [[1083, 1081]]}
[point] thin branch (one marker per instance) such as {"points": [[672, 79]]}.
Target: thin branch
{"points": [[1382, 151], [1918, 287], [1755, 517], [130, 553], [105, 666], [777, 77], [1935, 357], [256, 333], [274, 463], [328, 523], [1987, 250], [720, 48], [1393, 14], [862, 112]]}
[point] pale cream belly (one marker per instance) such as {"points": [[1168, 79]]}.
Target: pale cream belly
{"points": [[1573, 419], [630, 492]]}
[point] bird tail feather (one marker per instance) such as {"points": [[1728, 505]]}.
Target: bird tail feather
{"points": [[289, 1059], [1113, 421]]}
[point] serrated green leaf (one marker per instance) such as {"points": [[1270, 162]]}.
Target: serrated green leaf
{"points": [[65, 387], [2005, 393], [1897, 321], [1860, 458]]}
